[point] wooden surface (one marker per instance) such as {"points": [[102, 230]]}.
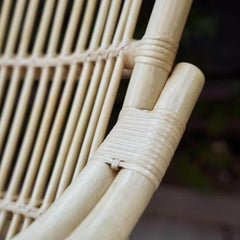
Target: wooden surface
{"points": [[74, 142]]}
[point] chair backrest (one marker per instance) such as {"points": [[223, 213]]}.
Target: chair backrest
{"points": [[60, 67], [60, 71]]}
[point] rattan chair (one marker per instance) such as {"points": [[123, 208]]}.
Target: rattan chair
{"points": [[60, 67]]}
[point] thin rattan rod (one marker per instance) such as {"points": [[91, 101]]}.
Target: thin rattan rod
{"points": [[85, 149], [122, 22], [56, 130], [21, 163], [132, 20], [13, 88], [51, 104], [99, 24], [5, 11], [9, 103], [102, 53], [85, 27], [8, 108], [61, 112], [68, 133], [113, 87], [84, 118], [80, 128], [75, 109], [111, 23], [14, 29], [53, 46], [11, 39]]}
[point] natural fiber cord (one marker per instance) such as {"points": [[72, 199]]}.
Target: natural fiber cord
{"points": [[142, 141]]}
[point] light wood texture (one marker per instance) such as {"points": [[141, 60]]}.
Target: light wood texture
{"points": [[52, 150], [57, 99], [121, 206]]}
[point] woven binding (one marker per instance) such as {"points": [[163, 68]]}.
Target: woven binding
{"points": [[142, 141]]}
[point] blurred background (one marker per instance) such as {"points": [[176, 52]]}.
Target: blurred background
{"points": [[199, 198]]}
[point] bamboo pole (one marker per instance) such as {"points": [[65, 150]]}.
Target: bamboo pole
{"points": [[113, 217]]}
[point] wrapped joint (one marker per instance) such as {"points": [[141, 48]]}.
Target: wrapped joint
{"points": [[142, 141], [159, 52]]}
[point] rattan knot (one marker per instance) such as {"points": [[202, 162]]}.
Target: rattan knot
{"points": [[142, 141], [159, 52]]}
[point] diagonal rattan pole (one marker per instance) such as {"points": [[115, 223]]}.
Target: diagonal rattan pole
{"points": [[11, 39], [8, 154], [85, 149], [50, 108], [5, 11], [21, 107], [98, 176], [178, 96], [76, 108], [113, 87], [52, 48], [92, 192], [61, 112], [117, 74], [91, 95], [95, 40], [90, 98], [11, 44], [21, 162], [166, 22]]}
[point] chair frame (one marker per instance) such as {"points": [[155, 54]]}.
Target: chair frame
{"points": [[94, 205]]}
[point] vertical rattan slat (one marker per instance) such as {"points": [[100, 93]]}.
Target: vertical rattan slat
{"points": [[90, 98], [5, 12], [14, 184], [76, 107], [12, 92], [85, 149], [10, 42], [108, 103], [82, 90], [35, 174]]}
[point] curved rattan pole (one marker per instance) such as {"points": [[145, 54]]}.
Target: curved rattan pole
{"points": [[92, 191], [113, 217]]}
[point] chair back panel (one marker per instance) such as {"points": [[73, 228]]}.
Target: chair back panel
{"points": [[60, 68]]}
